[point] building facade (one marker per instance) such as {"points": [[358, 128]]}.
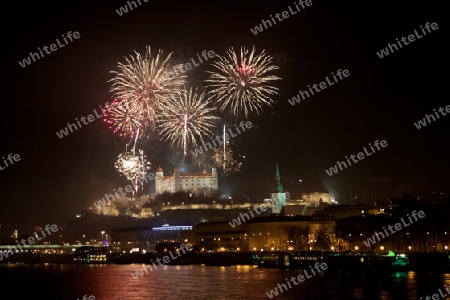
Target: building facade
{"points": [[170, 235], [221, 237], [128, 240], [267, 234], [317, 197], [291, 234], [197, 183], [142, 239]]}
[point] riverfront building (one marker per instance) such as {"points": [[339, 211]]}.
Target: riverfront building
{"points": [[143, 239], [300, 233]]}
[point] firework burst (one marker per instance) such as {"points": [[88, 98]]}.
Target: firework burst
{"points": [[227, 160], [124, 118], [186, 118], [132, 166], [146, 80], [242, 82]]}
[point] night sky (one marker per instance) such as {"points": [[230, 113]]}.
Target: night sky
{"points": [[380, 100]]}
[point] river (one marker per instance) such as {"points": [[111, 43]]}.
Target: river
{"points": [[109, 282]]}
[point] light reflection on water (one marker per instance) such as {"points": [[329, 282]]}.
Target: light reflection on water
{"points": [[110, 282]]}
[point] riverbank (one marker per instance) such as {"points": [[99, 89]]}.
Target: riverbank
{"points": [[417, 261]]}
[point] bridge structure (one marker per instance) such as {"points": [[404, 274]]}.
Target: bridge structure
{"points": [[46, 249]]}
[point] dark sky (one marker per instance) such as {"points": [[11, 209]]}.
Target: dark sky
{"points": [[380, 100]]}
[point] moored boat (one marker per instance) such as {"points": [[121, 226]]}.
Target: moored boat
{"points": [[334, 261], [90, 255], [271, 260]]}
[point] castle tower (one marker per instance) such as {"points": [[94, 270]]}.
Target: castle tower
{"points": [[214, 180], [278, 196], [158, 178], [177, 180]]}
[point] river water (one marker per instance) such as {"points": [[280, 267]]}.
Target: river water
{"points": [[109, 282]]}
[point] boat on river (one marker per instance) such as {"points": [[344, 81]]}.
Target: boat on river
{"points": [[334, 261], [90, 255]]}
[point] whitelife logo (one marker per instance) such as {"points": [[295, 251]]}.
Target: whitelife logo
{"points": [[284, 15], [181, 69], [165, 260], [34, 56], [128, 189], [199, 150], [360, 155], [411, 38], [263, 207], [31, 240], [320, 87], [398, 227], [90, 118], [85, 297], [436, 296], [423, 123], [11, 157], [124, 9], [318, 266]]}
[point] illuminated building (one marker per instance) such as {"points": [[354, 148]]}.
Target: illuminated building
{"points": [[302, 233], [198, 183], [143, 239], [170, 234], [125, 240], [221, 237], [317, 197]]}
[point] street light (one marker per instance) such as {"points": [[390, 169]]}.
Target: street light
{"points": [[102, 232]]}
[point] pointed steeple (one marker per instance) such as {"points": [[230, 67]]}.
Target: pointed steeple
{"points": [[278, 179]]}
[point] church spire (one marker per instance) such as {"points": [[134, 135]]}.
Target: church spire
{"points": [[278, 179]]}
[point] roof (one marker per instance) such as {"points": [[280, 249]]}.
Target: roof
{"points": [[184, 175], [190, 175]]}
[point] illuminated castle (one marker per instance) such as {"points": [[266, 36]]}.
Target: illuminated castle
{"points": [[197, 183]]}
